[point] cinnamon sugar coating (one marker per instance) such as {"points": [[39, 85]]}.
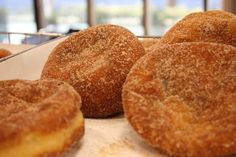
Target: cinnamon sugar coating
{"points": [[95, 62], [211, 26], [181, 98], [149, 42], [39, 109]]}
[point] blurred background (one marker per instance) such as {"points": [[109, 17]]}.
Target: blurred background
{"points": [[142, 17]]}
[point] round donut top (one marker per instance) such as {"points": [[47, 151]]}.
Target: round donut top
{"points": [[96, 61], [181, 97], [212, 13], [38, 106], [4, 53], [210, 26], [103, 49], [200, 74]]}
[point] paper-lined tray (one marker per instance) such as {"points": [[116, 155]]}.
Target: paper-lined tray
{"points": [[111, 137]]}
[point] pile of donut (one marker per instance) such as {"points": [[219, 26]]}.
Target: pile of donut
{"points": [[178, 92]]}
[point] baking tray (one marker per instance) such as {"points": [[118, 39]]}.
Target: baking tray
{"points": [[112, 137]]}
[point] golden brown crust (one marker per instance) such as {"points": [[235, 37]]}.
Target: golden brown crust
{"points": [[4, 53], [149, 42], [181, 99], [211, 26], [40, 107], [95, 62]]}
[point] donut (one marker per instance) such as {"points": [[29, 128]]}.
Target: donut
{"points": [[210, 26], [181, 99], [4, 53], [38, 118], [148, 42], [95, 61]]}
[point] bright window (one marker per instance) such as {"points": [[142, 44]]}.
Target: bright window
{"points": [[127, 13], [165, 13], [215, 4], [63, 15], [16, 16]]}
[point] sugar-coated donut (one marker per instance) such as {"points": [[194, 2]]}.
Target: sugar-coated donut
{"points": [[4, 53], [181, 98], [95, 61], [210, 26], [149, 42], [38, 118]]}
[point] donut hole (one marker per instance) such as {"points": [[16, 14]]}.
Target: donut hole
{"points": [[23, 97], [32, 93]]}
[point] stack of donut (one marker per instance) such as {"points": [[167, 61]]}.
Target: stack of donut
{"points": [[181, 96], [178, 92], [43, 117]]}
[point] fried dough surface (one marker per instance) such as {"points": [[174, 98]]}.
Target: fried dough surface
{"points": [[181, 99], [95, 62], [38, 118], [210, 26]]}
